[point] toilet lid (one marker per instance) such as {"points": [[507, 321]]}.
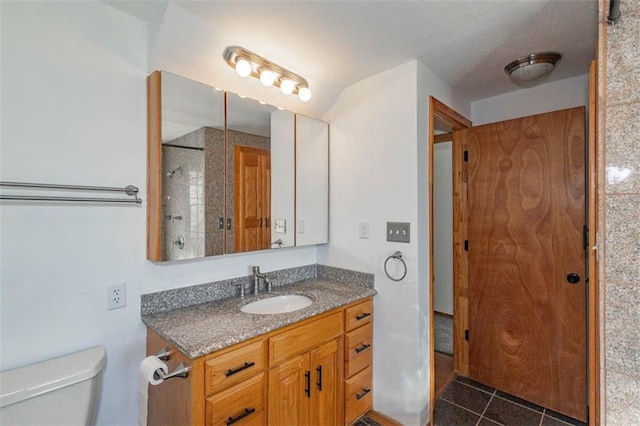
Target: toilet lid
{"points": [[36, 379]]}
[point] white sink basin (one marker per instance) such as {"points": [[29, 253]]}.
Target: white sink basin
{"points": [[277, 305]]}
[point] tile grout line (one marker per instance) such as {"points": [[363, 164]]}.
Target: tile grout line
{"points": [[523, 406], [459, 406], [475, 388], [544, 410], [487, 406]]}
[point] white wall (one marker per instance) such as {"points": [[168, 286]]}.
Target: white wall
{"points": [[557, 95], [378, 172], [74, 111], [443, 228], [312, 181], [282, 175]]}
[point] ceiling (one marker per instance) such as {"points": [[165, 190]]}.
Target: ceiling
{"points": [[334, 44]]}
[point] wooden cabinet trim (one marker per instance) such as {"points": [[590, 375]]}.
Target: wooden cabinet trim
{"points": [[358, 395], [232, 403], [232, 367], [358, 315], [304, 338], [358, 350]]}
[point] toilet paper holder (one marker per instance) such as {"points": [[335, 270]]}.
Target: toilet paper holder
{"points": [[164, 354], [181, 371]]}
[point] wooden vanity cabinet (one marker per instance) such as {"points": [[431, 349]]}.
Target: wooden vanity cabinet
{"points": [[305, 373], [358, 360], [235, 382], [308, 373]]}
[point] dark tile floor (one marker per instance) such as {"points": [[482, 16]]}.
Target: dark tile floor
{"points": [[465, 402], [366, 421]]}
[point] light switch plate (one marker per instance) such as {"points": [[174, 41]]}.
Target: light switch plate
{"points": [[363, 229], [399, 232], [280, 226]]}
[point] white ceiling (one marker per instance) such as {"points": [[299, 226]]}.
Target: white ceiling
{"points": [[334, 44]]}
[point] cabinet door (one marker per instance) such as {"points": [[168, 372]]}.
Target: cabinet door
{"points": [[325, 364], [290, 392]]}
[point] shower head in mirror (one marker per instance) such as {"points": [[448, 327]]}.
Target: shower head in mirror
{"points": [[172, 173]]}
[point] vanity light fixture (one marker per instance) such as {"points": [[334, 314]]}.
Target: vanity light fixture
{"points": [[532, 67], [247, 64]]}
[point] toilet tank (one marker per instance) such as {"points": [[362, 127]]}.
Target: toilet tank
{"points": [[60, 391]]}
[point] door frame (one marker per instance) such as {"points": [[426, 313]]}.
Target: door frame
{"points": [[442, 112], [450, 117]]}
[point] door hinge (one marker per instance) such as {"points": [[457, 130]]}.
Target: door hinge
{"points": [[585, 237], [466, 245], [465, 156], [466, 335]]}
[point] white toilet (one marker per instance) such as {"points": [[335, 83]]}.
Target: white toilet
{"points": [[60, 391]]}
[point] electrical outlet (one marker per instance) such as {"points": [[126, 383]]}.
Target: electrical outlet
{"points": [[116, 296]]}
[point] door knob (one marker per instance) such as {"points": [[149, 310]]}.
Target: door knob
{"points": [[573, 278]]}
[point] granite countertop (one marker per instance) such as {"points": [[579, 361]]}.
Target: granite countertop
{"points": [[201, 329]]}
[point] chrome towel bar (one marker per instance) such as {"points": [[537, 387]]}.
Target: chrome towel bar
{"points": [[129, 190]]}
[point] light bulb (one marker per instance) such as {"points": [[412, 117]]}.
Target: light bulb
{"points": [[267, 78], [243, 67], [287, 86], [304, 94]]}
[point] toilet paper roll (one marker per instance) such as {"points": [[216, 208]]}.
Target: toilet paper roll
{"points": [[148, 367]]}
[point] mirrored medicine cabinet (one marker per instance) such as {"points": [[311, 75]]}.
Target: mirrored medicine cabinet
{"points": [[228, 174]]}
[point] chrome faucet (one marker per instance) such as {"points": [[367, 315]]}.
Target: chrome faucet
{"points": [[256, 280]]}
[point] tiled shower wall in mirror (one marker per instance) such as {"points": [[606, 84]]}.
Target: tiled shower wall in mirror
{"points": [[193, 167]]}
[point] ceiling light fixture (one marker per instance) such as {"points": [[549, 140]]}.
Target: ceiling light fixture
{"points": [[247, 64], [532, 67]]}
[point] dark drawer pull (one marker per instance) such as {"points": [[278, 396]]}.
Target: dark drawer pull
{"points": [[363, 393], [240, 416], [319, 382], [246, 365], [363, 316], [307, 388], [363, 347]]}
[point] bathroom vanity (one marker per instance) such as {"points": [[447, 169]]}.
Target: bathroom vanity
{"points": [[311, 366]]}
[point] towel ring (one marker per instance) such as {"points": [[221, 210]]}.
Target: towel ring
{"points": [[396, 255]]}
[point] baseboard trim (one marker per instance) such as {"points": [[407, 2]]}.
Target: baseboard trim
{"points": [[383, 419]]}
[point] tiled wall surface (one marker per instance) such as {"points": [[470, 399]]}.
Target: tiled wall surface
{"points": [[620, 214]]}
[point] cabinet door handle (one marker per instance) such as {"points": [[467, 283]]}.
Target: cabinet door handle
{"points": [[319, 382], [363, 316], [363, 347], [363, 393], [307, 389], [244, 366], [245, 413]]}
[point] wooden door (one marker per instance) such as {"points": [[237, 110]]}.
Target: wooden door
{"points": [[325, 368], [526, 211], [252, 199], [289, 392]]}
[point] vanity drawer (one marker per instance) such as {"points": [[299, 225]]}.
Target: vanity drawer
{"points": [[359, 314], [234, 366], [358, 349], [303, 338], [242, 405], [359, 395]]}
